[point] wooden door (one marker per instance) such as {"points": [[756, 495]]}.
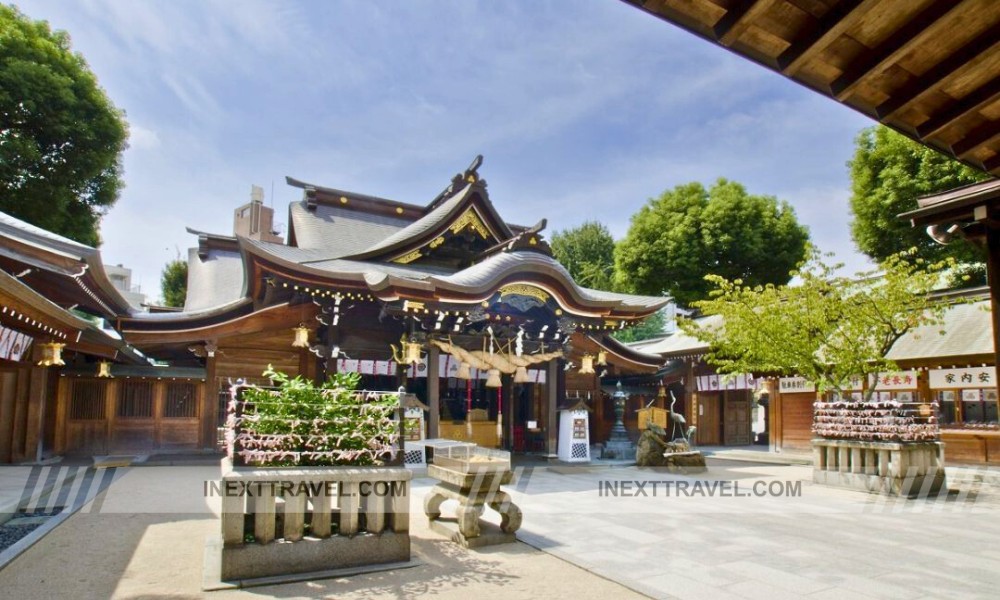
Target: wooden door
{"points": [[708, 419], [737, 419], [87, 422], [796, 421]]}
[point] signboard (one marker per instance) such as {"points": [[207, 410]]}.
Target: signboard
{"points": [[903, 380], [792, 385], [13, 344], [973, 377], [579, 429], [714, 383]]}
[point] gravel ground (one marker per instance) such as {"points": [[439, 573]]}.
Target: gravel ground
{"points": [[10, 533]]}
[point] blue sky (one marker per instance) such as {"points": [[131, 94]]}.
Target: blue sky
{"points": [[583, 110]]}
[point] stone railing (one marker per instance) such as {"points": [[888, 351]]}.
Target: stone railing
{"points": [[895, 468], [278, 521]]}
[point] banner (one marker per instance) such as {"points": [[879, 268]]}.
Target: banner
{"points": [[447, 367], [972, 377], [715, 383]]}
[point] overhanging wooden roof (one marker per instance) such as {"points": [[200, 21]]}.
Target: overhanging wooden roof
{"points": [[928, 68]]}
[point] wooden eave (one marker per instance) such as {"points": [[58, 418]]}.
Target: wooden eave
{"points": [[318, 194], [929, 69], [433, 289], [955, 206], [242, 319]]}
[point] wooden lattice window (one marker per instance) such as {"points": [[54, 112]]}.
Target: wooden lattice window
{"points": [[87, 400], [181, 401], [136, 400]]}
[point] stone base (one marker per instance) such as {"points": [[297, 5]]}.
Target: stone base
{"points": [[917, 486], [489, 534], [619, 450], [250, 561]]}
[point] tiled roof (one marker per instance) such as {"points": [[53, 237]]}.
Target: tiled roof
{"points": [[340, 231], [215, 280], [968, 331]]}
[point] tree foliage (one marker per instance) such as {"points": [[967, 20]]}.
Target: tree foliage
{"points": [[689, 232], [61, 138], [173, 283], [827, 328], [651, 327], [888, 173], [587, 252]]}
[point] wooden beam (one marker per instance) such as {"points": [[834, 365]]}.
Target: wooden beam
{"points": [[986, 94], [933, 77], [993, 279], [813, 40], [992, 164], [980, 136], [433, 392], [737, 20], [915, 32]]}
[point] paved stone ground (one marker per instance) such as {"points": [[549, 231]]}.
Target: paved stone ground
{"points": [[147, 540]]}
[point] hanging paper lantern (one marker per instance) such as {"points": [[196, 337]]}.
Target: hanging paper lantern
{"points": [[521, 375], [104, 369], [52, 355], [301, 337], [493, 378], [464, 371], [587, 365]]}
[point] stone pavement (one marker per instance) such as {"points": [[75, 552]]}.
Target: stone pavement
{"points": [[147, 540]]}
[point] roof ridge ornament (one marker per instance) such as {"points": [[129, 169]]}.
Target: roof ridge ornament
{"points": [[459, 181]]}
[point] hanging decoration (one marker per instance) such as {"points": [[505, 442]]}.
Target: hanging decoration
{"points": [[521, 375], [104, 369], [602, 358], [500, 417], [587, 365], [301, 336], [464, 371], [408, 353], [52, 355], [468, 409], [493, 378]]}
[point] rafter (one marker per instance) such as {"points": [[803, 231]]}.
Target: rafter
{"points": [[827, 29], [933, 78], [982, 135], [738, 18], [983, 96], [914, 33]]}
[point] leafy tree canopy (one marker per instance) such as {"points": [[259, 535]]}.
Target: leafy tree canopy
{"points": [[888, 173], [826, 328], [173, 283], [689, 232], [650, 328], [61, 138], [587, 252]]}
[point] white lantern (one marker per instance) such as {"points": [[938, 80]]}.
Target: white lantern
{"points": [[493, 378], [52, 355], [301, 337], [104, 369]]}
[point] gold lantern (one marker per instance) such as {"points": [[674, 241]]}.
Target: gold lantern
{"points": [[493, 378], [104, 369], [464, 371], [301, 336], [587, 365], [602, 358], [52, 355], [412, 353], [521, 375], [662, 393]]}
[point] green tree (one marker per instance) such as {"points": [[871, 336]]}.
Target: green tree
{"points": [[888, 173], [173, 283], [61, 138], [587, 252], [826, 328], [649, 328], [689, 232]]}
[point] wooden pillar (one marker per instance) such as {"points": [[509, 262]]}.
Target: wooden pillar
{"points": [[552, 382], [37, 393], [433, 391], [507, 404], [691, 387], [993, 279], [210, 414]]}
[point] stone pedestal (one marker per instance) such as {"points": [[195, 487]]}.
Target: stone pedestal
{"points": [[473, 491], [913, 469]]}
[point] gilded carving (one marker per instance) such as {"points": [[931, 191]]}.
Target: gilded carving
{"points": [[471, 220], [522, 289], [407, 258]]}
